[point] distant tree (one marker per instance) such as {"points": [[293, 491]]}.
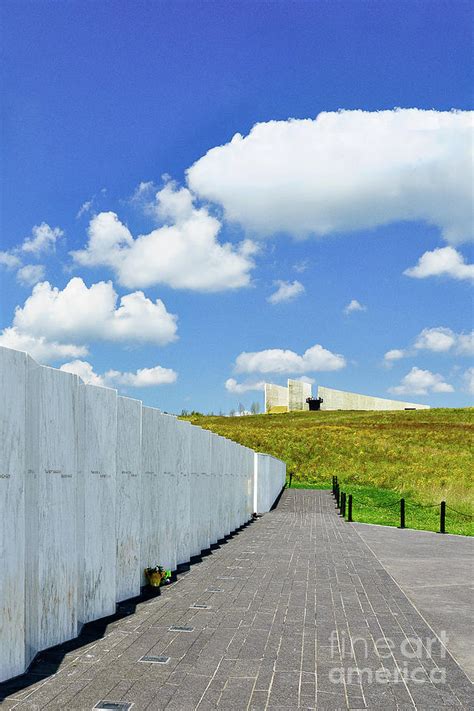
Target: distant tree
{"points": [[255, 408], [184, 413], [241, 409], [221, 414], [232, 413]]}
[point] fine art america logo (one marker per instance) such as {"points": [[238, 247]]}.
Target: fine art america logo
{"points": [[385, 660]]}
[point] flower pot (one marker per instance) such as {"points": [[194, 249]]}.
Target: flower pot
{"points": [[155, 580]]}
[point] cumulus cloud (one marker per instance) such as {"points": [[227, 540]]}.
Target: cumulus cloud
{"points": [[354, 305], [436, 340], [421, 382], [238, 388], [84, 370], [9, 260], [445, 261], [394, 354], [469, 380], [43, 238], [345, 171], [30, 274], [142, 378], [184, 254], [277, 360], [41, 349], [79, 314], [286, 291]]}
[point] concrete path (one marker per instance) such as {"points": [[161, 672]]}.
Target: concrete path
{"points": [[280, 617], [437, 574]]}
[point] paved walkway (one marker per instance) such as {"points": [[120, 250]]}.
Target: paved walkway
{"points": [[287, 601], [437, 575]]}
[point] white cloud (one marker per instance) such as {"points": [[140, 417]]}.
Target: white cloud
{"points": [[85, 208], [39, 347], [465, 344], [445, 261], [438, 340], [9, 260], [421, 382], [84, 370], [234, 387], [43, 237], [301, 266], [305, 379], [276, 360], [286, 291], [142, 378], [394, 354], [345, 171], [30, 274], [78, 314], [354, 305], [184, 254], [469, 380]]}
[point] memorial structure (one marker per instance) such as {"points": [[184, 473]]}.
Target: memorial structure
{"points": [[94, 487], [298, 394]]}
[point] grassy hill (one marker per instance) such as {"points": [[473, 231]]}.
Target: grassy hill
{"points": [[426, 456]]}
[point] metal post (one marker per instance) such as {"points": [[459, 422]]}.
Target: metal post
{"points": [[291, 477], [343, 505], [349, 512], [333, 484], [402, 513], [337, 495], [442, 518]]}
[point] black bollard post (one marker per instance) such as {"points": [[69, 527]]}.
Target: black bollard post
{"points": [[291, 477], [349, 511], [333, 484], [343, 512], [402, 513], [442, 518], [337, 495]]}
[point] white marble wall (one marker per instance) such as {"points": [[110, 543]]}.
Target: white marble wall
{"points": [[128, 497], [51, 602], [298, 391], [95, 487], [341, 400], [183, 514], [168, 491], [97, 478], [150, 508], [12, 512], [276, 398], [269, 480]]}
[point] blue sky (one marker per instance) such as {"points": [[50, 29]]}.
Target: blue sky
{"points": [[102, 98]]}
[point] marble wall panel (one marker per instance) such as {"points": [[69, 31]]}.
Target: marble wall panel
{"points": [[51, 587], [183, 533], [128, 497], [150, 504], [96, 501], [12, 512], [167, 499]]}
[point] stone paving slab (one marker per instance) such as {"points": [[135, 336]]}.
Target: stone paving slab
{"points": [[436, 572], [302, 615]]}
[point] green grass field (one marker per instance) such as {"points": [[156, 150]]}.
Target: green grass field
{"points": [[426, 456]]}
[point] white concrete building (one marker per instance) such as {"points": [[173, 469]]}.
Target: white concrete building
{"points": [[294, 398]]}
